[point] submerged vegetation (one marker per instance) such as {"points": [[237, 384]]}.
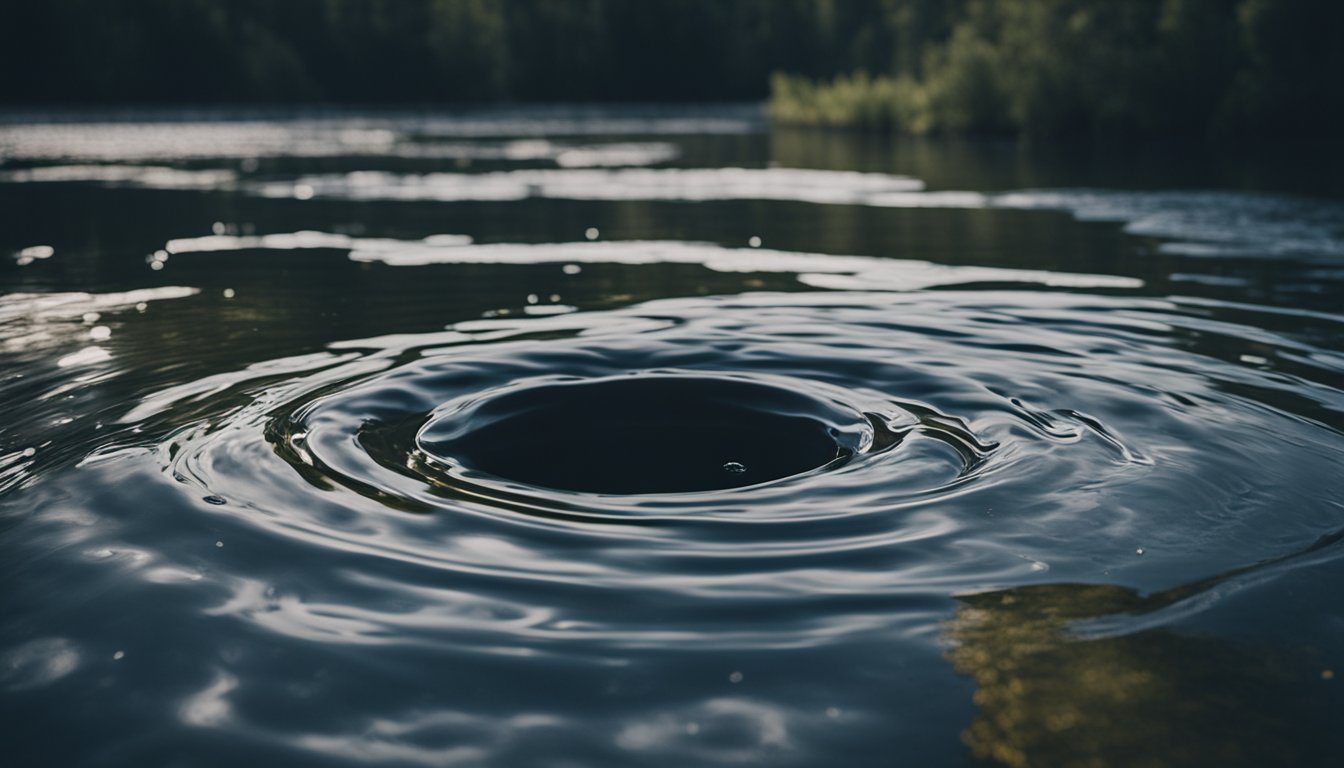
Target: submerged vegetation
{"points": [[1033, 67]]}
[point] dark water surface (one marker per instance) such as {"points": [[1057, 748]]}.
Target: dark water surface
{"points": [[566, 438]]}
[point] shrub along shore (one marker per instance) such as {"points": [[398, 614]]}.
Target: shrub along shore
{"points": [[1098, 68]]}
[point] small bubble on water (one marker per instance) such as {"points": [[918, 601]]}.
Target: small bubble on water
{"points": [[218, 228], [555, 297], [754, 241], [735, 677], [1139, 551], [100, 333], [219, 544], [119, 655], [736, 468], [29, 453], [91, 317], [156, 265], [216, 500], [141, 307], [591, 233], [229, 293], [533, 298], [571, 269]]}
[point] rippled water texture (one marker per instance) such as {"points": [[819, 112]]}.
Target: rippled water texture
{"points": [[643, 438]]}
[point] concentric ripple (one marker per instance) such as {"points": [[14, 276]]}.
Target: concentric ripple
{"points": [[659, 433], [619, 434], [565, 440], [739, 451], [702, 486]]}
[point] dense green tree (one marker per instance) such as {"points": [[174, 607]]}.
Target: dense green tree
{"points": [[1035, 67]]}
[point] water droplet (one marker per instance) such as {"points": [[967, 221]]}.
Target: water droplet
{"points": [[36, 252], [229, 293], [1139, 551], [100, 333], [555, 297], [156, 265], [591, 233], [735, 678], [735, 467], [219, 544], [532, 298], [754, 242], [571, 269], [119, 655], [218, 228], [141, 307], [85, 356]]}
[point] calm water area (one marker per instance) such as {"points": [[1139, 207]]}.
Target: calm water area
{"points": [[607, 437]]}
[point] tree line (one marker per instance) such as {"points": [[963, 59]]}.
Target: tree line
{"points": [[1040, 67]]}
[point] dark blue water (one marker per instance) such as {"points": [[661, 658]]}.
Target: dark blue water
{"points": [[566, 437]]}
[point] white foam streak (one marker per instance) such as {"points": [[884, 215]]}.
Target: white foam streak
{"points": [[151, 176], [1198, 223], [815, 269], [32, 321], [189, 141], [688, 184], [300, 240], [73, 305]]}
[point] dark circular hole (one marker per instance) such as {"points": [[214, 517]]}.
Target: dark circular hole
{"points": [[642, 434]]}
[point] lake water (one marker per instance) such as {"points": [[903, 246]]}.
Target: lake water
{"points": [[566, 437]]}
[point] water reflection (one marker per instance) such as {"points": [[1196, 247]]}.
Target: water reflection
{"points": [[1091, 674]]}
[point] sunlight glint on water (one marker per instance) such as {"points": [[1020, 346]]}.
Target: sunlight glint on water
{"points": [[613, 439]]}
